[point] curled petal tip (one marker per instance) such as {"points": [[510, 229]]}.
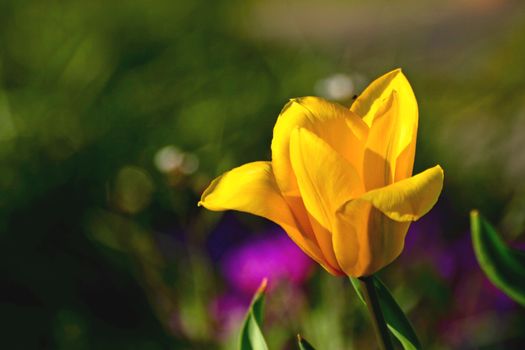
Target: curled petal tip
{"points": [[395, 72], [440, 169]]}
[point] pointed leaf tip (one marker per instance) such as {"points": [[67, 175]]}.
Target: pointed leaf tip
{"points": [[303, 343], [251, 337], [263, 286]]}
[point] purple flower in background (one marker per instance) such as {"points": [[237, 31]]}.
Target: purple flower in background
{"points": [[273, 256]]}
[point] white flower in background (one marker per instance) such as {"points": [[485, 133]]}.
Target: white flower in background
{"points": [[335, 87], [340, 86], [168, 158]]}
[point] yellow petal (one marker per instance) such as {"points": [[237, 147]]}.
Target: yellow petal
{"points": [[389, 107], [370, 231], [365, 240], [340, 128], [252, 188], [377, 166], [404, 163], [326, 180], [409, 199], [377, 93], [315, 232]]}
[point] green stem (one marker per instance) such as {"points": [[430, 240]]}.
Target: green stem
{"points": [[378, 320]]}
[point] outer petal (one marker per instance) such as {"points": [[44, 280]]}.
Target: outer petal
{"points": [[409, 199], [326, 180], [365, 240], [340, 128], [370, 231], [389, 107], [252, 188]]}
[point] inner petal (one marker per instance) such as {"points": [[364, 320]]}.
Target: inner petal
{"points": [[343, 130]]}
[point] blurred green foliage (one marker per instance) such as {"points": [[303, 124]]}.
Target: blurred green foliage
{"points": [[101, 248]]}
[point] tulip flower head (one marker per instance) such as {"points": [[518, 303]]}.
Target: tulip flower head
{"points": [[340, 180]]}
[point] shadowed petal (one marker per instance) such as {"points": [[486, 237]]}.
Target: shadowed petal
{"points": [[365, 240], [370, 231], [314, 231]]}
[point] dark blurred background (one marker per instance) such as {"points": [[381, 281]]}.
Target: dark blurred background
{"points": [[115, 116]]}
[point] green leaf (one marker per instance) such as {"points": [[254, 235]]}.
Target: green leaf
{"points": [[251, 335], [395, 318], [357, 286], [303, 344], [504, 266]]}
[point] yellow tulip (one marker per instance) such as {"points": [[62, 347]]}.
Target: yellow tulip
{"points": [[340, 180]]}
